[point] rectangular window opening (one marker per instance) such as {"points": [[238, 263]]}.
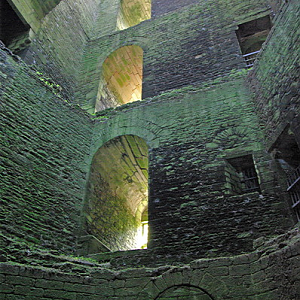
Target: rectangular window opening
{"points": [[251, 35], [241, 175]]}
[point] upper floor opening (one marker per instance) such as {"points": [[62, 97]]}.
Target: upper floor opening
{"points": [[121, 80], [251, 35], [287, 153], [241, 175], [14, 31], [133, 12], [116, 208]]}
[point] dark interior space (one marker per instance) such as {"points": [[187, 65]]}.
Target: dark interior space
{"points": [[252, 34], [287, 149], [243, 176], [11, 26]]}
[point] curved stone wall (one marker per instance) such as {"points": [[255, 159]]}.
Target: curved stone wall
{"points": [[270, 272]]}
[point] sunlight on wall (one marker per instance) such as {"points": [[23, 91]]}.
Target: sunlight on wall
{"points": [[117, 202], [122, 74], [133, 12]]}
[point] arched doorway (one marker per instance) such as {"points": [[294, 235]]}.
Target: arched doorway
{"points": [[121, 80], [116, 209], [133, 12]]}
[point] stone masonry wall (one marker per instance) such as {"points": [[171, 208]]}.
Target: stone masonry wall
{"points": [[58, 45], [277, 100], [180, 48], [269, 273], [163, 7], [44, 141], [190, 134]]}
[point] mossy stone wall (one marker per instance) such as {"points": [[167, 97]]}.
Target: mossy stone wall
{"points": [[195, 44], [163, 7], [270, 272], [33, 11], [277, 101], [57, 46], [44, 141], [191, 132]]}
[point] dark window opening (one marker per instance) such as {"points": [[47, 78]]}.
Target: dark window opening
{"points": [[14, 33], [251, 35], [287, 153], [241, 176]]}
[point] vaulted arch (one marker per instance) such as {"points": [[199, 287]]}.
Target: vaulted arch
{"points": [[116, 209], [121, 80], [133, 12]]}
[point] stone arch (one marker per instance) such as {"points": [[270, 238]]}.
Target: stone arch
{"points": [[115, 209], [133, 12], [184, 291], [121, 77], [117, 43], [201, 278], [112, 131]]}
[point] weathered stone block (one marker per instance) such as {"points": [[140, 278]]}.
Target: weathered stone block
{"points": [[49, 284], [239, 270], [20, 280], [9, 269], [6, 288]]}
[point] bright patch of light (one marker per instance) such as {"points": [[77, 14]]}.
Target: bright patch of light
{"points": [[142, 236]]}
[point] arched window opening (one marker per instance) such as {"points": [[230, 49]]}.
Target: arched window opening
{"points": [[14, 31], [121, 80], [116, 209], [133, 12]]}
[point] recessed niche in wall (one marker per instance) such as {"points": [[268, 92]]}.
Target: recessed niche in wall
{"points": [[116, 207], [241, 176], [133, 12], [287, 153], [121, 80], [14, 31], [251, 35]]}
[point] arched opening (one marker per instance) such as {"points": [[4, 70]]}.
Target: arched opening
{"points": [[116, 209], [133, 12], [183, 292], [121, 80]]}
